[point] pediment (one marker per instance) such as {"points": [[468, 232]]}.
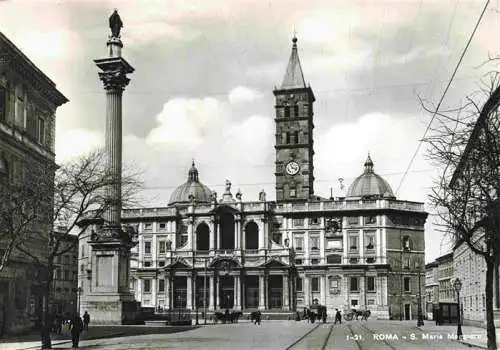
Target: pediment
{"points": [[179, 264], [274, 263]]}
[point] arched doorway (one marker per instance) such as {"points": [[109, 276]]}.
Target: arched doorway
{"points": [[202, 237], [226, 292], [226, 223], [251, 236]]}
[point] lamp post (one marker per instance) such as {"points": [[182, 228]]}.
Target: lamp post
{"points": [[420, 321], [457, 284]]}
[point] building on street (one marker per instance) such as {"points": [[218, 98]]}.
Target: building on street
{"points": [[203, 250], [28, 103], [65, 285]]}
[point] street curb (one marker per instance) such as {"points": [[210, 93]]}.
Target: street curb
{"points": [[113, 335], [470, 345]]}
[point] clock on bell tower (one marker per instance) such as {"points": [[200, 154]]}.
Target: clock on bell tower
{"points": [[294, 134]]}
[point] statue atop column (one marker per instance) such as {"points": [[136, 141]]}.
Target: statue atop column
{"points": [[115, 24]]}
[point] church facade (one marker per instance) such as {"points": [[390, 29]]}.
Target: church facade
{"points": [[202, 251]]}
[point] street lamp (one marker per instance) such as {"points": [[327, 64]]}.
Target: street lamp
{"points": [[458, 285], [420, 321]]}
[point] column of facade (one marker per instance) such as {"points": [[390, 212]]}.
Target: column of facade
{"points": [[237, 293], [237, 234], [167, 291], [322, 241], [307, 290], [266, 291], [154, 292], [261, 226], [217, 292], [361, 245], [189, 294], [286, 294], [379, 247], [243, 301], [172, 300], [217, 228], [322, 290], [195, 287], [261, 293], [211, 296], [212, 235]]}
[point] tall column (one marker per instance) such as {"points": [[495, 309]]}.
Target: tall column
{"points": [[167, 292], [307, 290], [266, 291], [211, 293], [189, 296], [212, 235], [286, 296], [217, 292], [237, 293], [322, 290], [237, 234], [261, 293], [262, 229]]}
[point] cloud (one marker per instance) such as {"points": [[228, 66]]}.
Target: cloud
{"points": [[243, 94], [187, 123], [73, 143]]}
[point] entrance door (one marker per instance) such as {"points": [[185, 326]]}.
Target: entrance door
{"points": [[226, 292], [407, 312]]}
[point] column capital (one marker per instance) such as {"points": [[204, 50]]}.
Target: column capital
{"points": [[115, 80]]}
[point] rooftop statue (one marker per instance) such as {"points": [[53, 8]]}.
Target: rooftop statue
{"points": [[115, 24]]}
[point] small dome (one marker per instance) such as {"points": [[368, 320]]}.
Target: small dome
{"points": [[369, 184], [192, 187]]}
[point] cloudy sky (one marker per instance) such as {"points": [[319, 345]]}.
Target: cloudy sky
{"points": [[205, 72]]}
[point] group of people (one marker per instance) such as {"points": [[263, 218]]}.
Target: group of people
{"points": [[320, 314], [76, 325]]}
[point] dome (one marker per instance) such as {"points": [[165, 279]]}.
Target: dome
{"points": [[192, 187], [369, 184]]}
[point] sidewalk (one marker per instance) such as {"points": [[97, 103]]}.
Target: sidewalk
{"points": [[32, 340], [472, 336]]}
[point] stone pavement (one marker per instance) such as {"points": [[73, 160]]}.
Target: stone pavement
{"points": [[354, 335]]}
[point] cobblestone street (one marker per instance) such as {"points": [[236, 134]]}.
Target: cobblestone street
{"points": [[290, 336]]}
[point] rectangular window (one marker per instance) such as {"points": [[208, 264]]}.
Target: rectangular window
{"points": [[370, 241], [299, 284], [314, 261], [296, 111], [299, 243], [162, 247], [41, 131], [370, 283], [370, 220], [298, 261], [314, 221], [354, 302], [148, 226], [353, 243], [370, 301], [352, 220], [147, 247], [161, 285], [161, 263], [314, 243], [147, 286], [162, 226], [334, 283], [147, 264], [315, 284], [353, 285], [406, 284], [3, 103], [287, 112], [298, 222]]}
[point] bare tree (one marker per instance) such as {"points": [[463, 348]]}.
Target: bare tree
{"points": [[465, 144], [77, 191]]}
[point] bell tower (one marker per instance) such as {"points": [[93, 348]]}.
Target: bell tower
{"points": [[294, 134]]}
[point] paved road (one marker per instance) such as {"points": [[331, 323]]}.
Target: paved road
{"points": [[288, 335]]}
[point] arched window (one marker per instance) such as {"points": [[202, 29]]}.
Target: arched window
{"points": [[251, 235], [407, 243], [296, 111], [202, 237]]}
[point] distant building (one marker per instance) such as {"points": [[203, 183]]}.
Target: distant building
{"points": [[471, 269], [65, 286], [28, 103], [364, 250], [443, 296]]}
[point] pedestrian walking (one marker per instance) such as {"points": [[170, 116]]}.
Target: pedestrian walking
{"points": [[324, 314], [86, 321], [338, 316], [76, 328]]}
